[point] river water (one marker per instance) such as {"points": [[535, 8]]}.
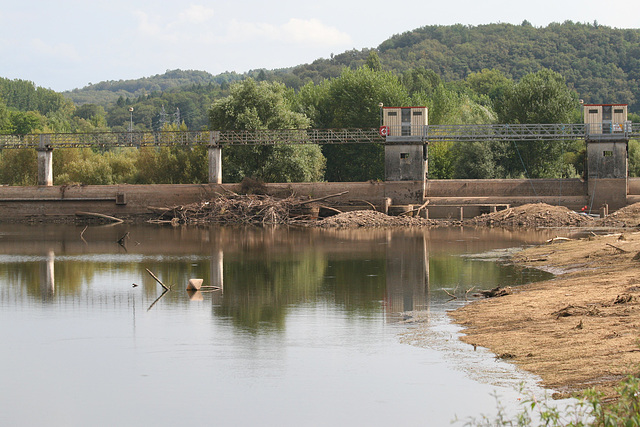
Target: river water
{"points": [[306, 329]]}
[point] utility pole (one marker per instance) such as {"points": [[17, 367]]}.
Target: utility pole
{"points": [[163, 117], [177, 115]]}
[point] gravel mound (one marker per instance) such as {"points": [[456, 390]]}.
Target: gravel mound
{"points": [[357, 219], [532, 216], [629, 216]]}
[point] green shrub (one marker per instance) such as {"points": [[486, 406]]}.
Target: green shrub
{"points": [[591, 410], [19, 167]]}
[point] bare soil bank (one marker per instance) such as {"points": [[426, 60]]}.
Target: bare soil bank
{"points": [[577, 331]]}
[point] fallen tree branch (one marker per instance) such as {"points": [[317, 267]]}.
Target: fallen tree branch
{"points": [[334, 210], [121, 240], [466, 294], [558, 238], [620, 249], [304, 202], [157, 280], [417, 211], [450, 294], [230, 192], [424, 205], [98, 215], [367, 202]]}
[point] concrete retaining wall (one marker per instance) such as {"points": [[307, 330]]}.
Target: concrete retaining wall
{"points": [[445, 196], [633, 186], [505, 187]]}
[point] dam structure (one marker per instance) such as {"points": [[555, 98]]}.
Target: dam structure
{"points": [[406, 137]]}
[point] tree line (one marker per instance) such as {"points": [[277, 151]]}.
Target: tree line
{"points": [[350, 100], [344, 92]]}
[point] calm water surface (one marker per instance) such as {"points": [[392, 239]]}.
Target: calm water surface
{"points": [[306, 331]]}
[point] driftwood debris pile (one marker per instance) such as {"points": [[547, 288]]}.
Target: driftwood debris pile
{"points": [[242, 209], [235, 209]]}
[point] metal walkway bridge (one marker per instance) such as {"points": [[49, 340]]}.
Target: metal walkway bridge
{"points": [[427, 134]]}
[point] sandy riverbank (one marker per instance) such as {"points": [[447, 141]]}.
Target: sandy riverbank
{"points": [[577, 331]]}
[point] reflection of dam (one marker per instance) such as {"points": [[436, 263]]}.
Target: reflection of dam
{"points": [[47, 278], [267, 271], [407, 273]]}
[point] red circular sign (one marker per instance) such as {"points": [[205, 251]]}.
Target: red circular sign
{"points": [[384, 130]]}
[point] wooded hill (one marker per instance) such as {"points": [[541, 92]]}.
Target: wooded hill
{"points": [[601, 63]]}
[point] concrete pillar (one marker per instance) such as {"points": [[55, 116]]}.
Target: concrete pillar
{"points": [[215, 159], [45, 161], [407, 274]]}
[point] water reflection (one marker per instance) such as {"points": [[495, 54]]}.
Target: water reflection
{"points": [[303, 330], [262, 274]]}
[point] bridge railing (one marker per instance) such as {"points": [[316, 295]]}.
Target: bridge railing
{"points": [[504, 132], [428, 133]]}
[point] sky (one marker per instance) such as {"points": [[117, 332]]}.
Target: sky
{"points": [[67, 44]]}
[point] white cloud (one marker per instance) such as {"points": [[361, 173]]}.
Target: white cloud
{"points": [[58, 50], [295, 31], [145, 26], [196, 14], [314, 31], [188, 25]]}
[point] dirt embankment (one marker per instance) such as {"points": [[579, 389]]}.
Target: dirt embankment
{"points": [[577, 331]]}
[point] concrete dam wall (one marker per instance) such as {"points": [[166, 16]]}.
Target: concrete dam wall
{"points": [[446, 197]]}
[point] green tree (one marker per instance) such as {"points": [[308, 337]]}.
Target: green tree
{"points": [[352, 100], [542, 97], [373, 61], [255, 105], [634, 158], [81, 166], [19, 167], [5, 118], [23, 123], [492, 84], [421, 81]]}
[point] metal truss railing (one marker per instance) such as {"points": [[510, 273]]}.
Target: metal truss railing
{"points": [[299, 136], [189, 138], [505, 132], [430, 133]]}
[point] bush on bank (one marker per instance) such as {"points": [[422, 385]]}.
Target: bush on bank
{"points": [[592, 410]]}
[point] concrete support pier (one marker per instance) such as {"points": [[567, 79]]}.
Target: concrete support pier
{"points": [[45, 161], [607, 171], [215, 159]]}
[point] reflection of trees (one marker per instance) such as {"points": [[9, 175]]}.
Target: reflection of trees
{"points": [[71, 276], [358, 285], [258, 292], [448, 271]]}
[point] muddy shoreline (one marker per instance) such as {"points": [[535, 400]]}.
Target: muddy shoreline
{"points": [[577, 331]]}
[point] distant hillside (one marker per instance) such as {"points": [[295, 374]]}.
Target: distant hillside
{"points": [[108, 92], [601, 63]]}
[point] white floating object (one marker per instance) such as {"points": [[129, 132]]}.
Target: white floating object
{"points": [[194, 284]]}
